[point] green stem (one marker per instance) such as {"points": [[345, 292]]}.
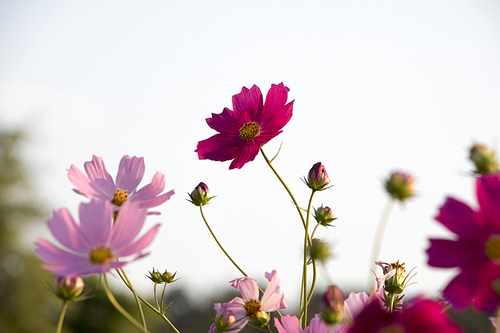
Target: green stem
{"points": [[139, 307], [156, 296], [162, 297], [61, 316], [377, 245], [120, 309]]}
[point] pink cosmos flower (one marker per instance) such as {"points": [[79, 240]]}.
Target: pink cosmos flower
{"points": [[475, 250], [418, 316], [248, 306], [250, 126], [290, 324], [100, 185], [94, 245]]}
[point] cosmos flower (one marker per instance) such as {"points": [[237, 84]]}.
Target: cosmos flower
{"points": [[290, 324], [94, 245], [100, 185], [245, 130], [249, 307], [475, 250]]}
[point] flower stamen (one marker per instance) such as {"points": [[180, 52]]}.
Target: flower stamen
{"points": [[100, 255], [492, 248], [119, 197], [249, 131], [252, 307]]}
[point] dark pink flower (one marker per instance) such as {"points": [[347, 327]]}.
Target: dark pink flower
{"points": [[95, 244], [250, 126], [475, 250], [100, 185], [418, 316]]}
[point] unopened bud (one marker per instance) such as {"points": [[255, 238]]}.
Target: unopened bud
{"points": [[200, 195], [224, 320], [324, 215], [484, 159], [68, 288], [319, 250], [260, 319], [317, 178], [400, 185], [332, 305]]}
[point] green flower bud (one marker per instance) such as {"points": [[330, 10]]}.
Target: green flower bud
{"points": [[200, 195], [68, 288], [484, 159], [324, 215], [400, 185], [160, 278], [260, 319], [319, 250]]}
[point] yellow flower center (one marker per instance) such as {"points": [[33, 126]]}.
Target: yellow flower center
{"points": [[249, 131], [492, 248], [119, 197], [100, 255], [252, 307]]}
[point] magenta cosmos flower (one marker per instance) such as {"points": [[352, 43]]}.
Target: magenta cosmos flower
{"points": [[250, 126], [249, 307], [475, 250], [100, 185], [94, 245], [418, 316]]}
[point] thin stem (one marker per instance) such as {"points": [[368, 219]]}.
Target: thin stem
{"points": [[304, 297], [61, 316], [120, 309], [162, 297], [377, 245], [156, 296], [220, 245], [139, 307]]}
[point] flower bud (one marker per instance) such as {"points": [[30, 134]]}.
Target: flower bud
{"points": [[317, 179], [200, 195], [324, 215], [260, 319], [484, 159], [400, 185], [332, 305], [319, 250], [160, 278], [68, 288], [224, 320]]}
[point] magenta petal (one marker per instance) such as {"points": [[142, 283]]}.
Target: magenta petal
{"points": [[128, 224], [247, 287], [248, 154], [100, 179], [219, 148], [66, 231], [81, 182], [140, 244], [279, 119], [247, 105], [151, 190], [130, 173], [488, 197], [96, 219], [460, 219], [448, 253], [225, 123]]}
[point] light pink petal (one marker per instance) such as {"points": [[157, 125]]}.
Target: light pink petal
{"points": [[447, 253], [100, 179], [66, 231], [54, 255], [383, 278], [139, 245], [220, 147], [460, 219], [81, 182], [274, 296], [225, 123], [96, 220], [318, 326], [236, 306], [127, 225], [247, 105], [150, 191], [488, 197], [290, 324], [156, 201], [354, 304], [130, 173], [250, 151], [248, 288]]}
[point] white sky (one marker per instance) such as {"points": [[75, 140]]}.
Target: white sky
{"points": [[378, 85]]}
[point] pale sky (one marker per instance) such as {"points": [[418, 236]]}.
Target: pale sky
{"points": [[378, 86]]}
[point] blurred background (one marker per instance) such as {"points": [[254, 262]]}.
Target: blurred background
{"points": [[378, 86]]}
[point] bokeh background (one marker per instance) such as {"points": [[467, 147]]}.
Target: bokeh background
{"points": [[378, 86]]}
